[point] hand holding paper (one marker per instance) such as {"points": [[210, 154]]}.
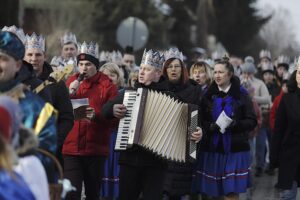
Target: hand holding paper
{"points": [[223, 121]]}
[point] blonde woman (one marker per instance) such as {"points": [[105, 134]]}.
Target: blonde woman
{"points": [[201, 73], [110, 180], [114, 73], [133, 77]]}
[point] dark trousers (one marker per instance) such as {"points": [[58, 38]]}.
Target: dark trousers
{"points": [[87, 169], [135, 180]]}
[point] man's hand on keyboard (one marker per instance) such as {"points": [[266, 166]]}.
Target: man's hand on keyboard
{"points": [[119, 111]]}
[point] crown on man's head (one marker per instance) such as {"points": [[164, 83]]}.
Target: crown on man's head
{"points": [[173, 53], [35, 41], [265, 54], [17, 31], [282, 59], [67, 38], [153, 58], [91, 49]]}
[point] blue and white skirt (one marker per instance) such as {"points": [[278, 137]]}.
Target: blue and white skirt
{"points": [[219, 174], [110, 180]]}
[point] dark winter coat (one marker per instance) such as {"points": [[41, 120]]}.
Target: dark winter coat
{"points": [[91, 138], [178, 176], [285, 147], [27, 76], [61, 102], [243, 115]]}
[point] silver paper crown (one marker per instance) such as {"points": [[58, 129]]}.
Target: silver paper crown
{"points": [[267, 67], [116, 57], [91, 49], [18, 31], [68, 37], [104, 56], [173, 53], [265, 54], [282, 59], [34, 41], [297, 62], [153, 58]]}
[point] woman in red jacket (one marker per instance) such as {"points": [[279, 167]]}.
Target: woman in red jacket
{"points": [[87, 145]]}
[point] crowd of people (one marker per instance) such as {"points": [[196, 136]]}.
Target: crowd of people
{"points": [[247, 121]]}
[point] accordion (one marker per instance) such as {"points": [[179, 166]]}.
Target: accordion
{"points": [[158, 123]]}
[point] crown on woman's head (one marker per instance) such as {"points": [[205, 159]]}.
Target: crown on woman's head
{"points": [[153, 58], [67, 38], [91, 49], [282, 59], [265, 54], [35, 41], [173, 53], [17, 31]]}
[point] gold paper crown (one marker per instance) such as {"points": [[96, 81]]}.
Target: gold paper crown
{"points": [[153, 58], [91, 49], [34, 41], [67, 38], [17, 31], [282, 59], [173, 53], [265, 54]]}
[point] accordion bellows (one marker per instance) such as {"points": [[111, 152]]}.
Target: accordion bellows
{"points": [[158, 123]]}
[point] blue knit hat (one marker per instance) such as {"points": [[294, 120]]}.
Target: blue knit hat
{"points": [[11, 45]]}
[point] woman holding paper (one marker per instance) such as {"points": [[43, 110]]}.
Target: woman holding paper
{"points": [[223, 165]]}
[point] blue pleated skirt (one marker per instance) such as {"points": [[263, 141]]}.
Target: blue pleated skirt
{"points": [[219, 174], [110, 180]]}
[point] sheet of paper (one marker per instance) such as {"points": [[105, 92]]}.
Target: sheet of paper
{"points": [[76, 103], [223, 121]]}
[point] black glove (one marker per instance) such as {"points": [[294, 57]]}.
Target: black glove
{"points": [[214, 127], [232, 125]]}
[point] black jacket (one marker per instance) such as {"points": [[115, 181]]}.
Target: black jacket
{"points": [[61, 102], [27, 76], [243, 117], [178, 176], [285, 146]]}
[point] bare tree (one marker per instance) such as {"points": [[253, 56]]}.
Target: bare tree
{"points": [[279, 34]]}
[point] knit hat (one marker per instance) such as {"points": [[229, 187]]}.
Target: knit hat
{"points": [[89, 52], [16, 116], [11, 45], [248, 66], [5, 123]]}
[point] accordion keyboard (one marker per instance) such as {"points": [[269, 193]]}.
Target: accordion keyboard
{"points": [[124, 124]]}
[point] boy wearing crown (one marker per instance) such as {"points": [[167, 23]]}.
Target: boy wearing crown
{"points": [[87, 144], [69, 50], [140, 170], [35, 55]]}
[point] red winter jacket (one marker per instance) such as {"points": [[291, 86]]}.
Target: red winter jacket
{"points": [[91, 138], [274, 109]]}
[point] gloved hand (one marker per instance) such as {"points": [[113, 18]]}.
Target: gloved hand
{"points": [[232, 125], [214, 127]]}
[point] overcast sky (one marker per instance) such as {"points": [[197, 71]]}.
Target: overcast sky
{"points": [[293, 6]]}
